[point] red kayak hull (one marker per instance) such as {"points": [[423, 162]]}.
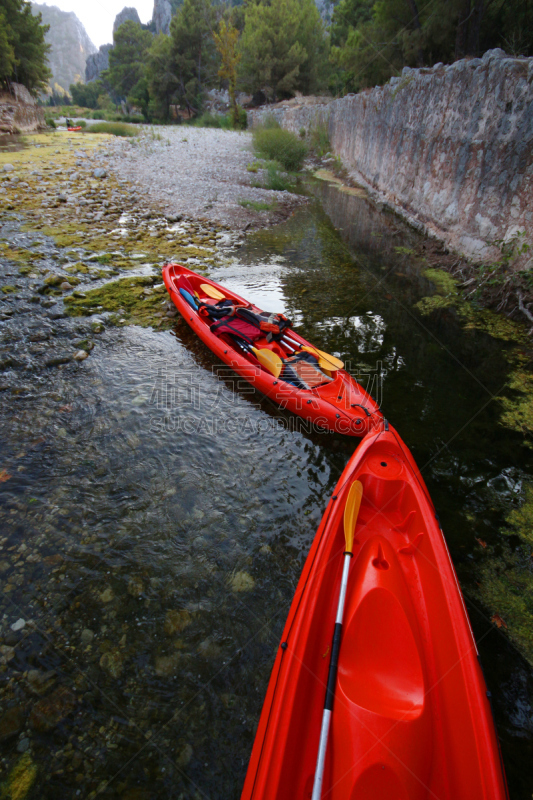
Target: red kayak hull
{"points": [[411, 718], [342, 405]]}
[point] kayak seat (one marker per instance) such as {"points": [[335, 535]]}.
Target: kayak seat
{"points": [[385, 672]]}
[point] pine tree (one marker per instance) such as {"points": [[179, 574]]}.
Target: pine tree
{"points": [[126, 61], [282, 47], [193, 51], [162, 82], [23, 50]]}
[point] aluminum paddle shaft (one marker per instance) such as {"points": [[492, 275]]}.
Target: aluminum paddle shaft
{"points": [[332, 678], [351, 511]]}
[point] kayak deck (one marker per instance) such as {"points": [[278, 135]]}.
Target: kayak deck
{"points": [[338, 404], [411, 719]]}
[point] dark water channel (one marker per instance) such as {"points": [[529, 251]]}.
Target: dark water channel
{"points": [[157, 513]]}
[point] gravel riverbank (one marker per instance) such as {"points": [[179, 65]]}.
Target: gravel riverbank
{"points": [[200, 173]]}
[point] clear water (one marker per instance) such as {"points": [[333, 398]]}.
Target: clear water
{"points": [[158, 512]]}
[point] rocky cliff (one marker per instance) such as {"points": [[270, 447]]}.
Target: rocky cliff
{"points": [[126, 14], [70, 46], [162, 16], [450, 148], [97, 63]]}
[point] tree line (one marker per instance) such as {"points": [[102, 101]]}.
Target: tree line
{"points": [[269, 48]]}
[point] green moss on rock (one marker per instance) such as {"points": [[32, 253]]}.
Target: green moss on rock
{"points": [[127, 296], [20, 780]]}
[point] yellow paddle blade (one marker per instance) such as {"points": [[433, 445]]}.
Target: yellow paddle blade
{"points": [[351, 512], [210, 291], [269, 360], [332, 362]]}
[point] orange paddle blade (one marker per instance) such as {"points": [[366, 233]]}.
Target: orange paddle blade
{"points": [[351, 512]]}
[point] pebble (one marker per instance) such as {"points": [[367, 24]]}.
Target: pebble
{"points": [[99, 173], [242, 582], [81, 355], [87, 635], [9, 168], [23, 745], [18, 625]]}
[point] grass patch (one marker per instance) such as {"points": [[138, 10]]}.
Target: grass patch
{"points": [[278, 181], [257, 205], [281, 146], [115, 128]]}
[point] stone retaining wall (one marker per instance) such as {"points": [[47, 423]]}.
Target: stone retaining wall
{"points": [[19, 113], [450, 148]]}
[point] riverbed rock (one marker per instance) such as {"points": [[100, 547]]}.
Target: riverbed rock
{"points": [[100, 173], [176, 621], [112, 662], [40, 682], [11, 723], [46, 714]]}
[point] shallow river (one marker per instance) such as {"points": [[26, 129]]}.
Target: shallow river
{"points": [[158, 513]]}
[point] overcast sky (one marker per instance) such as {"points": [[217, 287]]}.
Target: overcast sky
{"points": [[98, 16]]}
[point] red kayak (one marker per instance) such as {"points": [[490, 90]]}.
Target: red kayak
{"points": [[411, 719], [77, 128], [327, 398]]}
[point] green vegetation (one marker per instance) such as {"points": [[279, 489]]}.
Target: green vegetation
{"points": [[116, 128], [283, 47], [193, 53], [126, 73], [23, 50], [281, 146], [257, 205]]}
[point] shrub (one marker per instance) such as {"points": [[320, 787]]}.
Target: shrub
{"points": [[81, 123], [116, 128], [242, 119], [50, 122], [281, 146], [208, 120]]}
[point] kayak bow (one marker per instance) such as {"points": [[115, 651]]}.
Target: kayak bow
{"points": [[411, 719]]}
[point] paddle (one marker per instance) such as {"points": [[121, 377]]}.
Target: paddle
{"points": [[351, 511], [189, 298], [210, 291], [271, 361], [324, 365], [334, 362]]}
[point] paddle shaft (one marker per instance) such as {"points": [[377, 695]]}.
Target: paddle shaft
{"points": [[332, 678]]}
